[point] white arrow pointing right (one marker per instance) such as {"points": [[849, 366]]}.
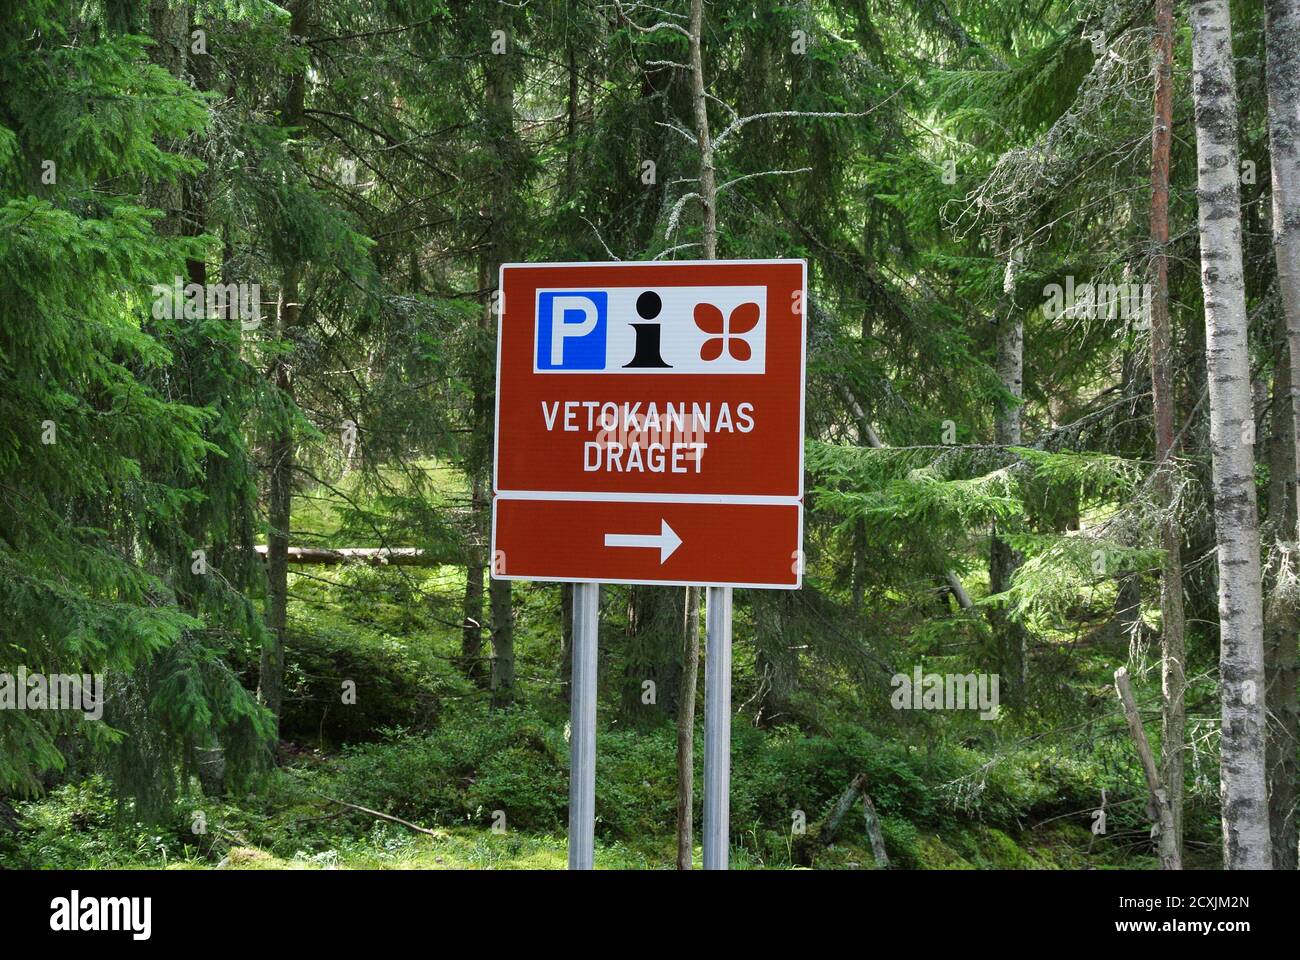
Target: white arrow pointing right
{"points": [[666, 540]]}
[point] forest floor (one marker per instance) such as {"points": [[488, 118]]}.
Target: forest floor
{"points": [[417, 740], [53, 842], [294, 826]]}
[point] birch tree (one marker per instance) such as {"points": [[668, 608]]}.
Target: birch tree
{"points": [[1241, 657], [1282, 41], [1009, 364]]}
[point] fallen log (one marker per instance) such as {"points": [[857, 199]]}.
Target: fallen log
{"points": [[374, 556], [873, 831], [823, 834]]}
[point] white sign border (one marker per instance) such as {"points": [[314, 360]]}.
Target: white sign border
{"points": [[498, 494]]}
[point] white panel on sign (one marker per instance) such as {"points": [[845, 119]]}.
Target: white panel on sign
{"points": [[642, 329]]}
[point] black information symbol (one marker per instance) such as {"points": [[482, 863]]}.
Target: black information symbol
{"points": [[646, 355]]}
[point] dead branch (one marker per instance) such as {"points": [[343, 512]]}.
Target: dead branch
{"points": [[1170, 858], [385, 816]]}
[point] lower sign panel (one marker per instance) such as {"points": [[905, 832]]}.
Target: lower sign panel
{"points": [[634, 541]]}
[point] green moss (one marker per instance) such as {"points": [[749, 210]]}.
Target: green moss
{"points": [[929, 852], [1003, 853], [250, 858]]}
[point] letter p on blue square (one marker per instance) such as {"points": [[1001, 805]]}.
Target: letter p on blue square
{"points": [[571, 329]]}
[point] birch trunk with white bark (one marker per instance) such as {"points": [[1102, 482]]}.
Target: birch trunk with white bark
{"points": [[1282, 43], [1243, 793], [1003, 560]]}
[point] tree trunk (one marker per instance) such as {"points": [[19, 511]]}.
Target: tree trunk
{"points": [[691, 647], [858, 557], [1011, 353], [1283, 49], [653, 653], [499, 79], [503, 643], [1003, 561], [281, 466], [471, 631], [279, 512], [169, 28], [708, 189], [1280, 613], [1172, 647], [1243, 793], [776, 657]]}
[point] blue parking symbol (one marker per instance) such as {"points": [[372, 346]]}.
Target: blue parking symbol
{"points": [[571, 329]]}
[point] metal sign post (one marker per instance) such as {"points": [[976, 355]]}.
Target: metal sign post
{"points": [[717, 729], [582, 727]]}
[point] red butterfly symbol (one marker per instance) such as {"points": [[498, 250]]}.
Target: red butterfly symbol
{"points": [[726, 333]]}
